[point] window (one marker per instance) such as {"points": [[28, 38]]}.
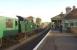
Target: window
{"points": [[75, 23], [9, 23], [66, 24], [71, 24]]}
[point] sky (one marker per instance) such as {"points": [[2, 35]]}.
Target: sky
{"points": [[44, 9]]}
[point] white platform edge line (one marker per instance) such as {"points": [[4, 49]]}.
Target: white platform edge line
{"points": [[40, 42]]}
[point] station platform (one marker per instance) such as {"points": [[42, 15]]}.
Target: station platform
{"points": [[55, 40]]}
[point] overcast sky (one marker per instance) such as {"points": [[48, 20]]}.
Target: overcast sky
{"points": [[44, 9]]}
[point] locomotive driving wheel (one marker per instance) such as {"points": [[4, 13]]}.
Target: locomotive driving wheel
{"points": [[20, 37]]}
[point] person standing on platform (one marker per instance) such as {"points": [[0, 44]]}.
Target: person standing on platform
{"points": [[60, 28]]}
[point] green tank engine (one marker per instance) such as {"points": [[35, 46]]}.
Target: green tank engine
{"points": [[11, 27]]}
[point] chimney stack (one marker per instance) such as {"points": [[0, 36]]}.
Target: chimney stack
{"points": [[68, 10], [74, 7]]}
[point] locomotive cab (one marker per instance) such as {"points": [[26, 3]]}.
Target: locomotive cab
{"points": [[20, 23]]}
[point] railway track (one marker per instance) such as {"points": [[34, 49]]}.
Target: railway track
{"points": [[29, 44], [32, 43]]}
